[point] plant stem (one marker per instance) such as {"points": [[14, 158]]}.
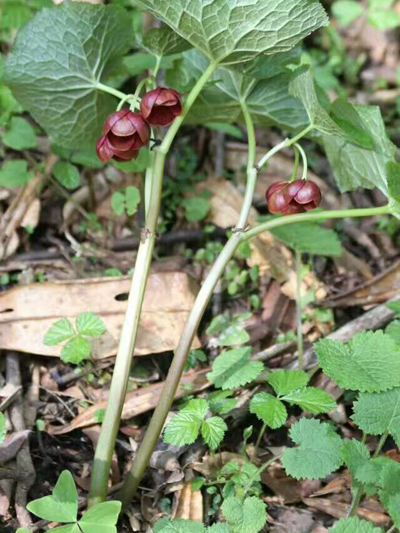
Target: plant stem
{"points": [[176, 369], [299, 309], [111, 90], [260, 435], [119, 383], [360, 491], [314, 217], [259, 472]]}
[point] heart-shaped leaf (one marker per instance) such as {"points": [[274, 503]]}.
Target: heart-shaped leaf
{"points": [[232, 31], [62, 505], [58, 60]]}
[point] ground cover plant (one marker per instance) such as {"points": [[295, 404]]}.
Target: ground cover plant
{"points": [[231, 67]]}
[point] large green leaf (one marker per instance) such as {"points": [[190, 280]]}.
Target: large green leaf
{"points": [[163, 41], [310, 238], [268, 409], [263, 84], [101, 518], [354, 525], [232, 31], [57, 61], [355, 166]]}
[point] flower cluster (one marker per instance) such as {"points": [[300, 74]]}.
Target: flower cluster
{"points": [[125, 131], [289, 198]]}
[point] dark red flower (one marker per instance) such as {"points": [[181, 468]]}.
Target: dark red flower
{"points": [[124, 133], [289, 198], [161, 106]]}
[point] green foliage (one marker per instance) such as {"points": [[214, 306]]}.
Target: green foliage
{"points": [[20, 135], [62, 506], [2, 428], [346, 11], [220, 402], [380, 13], [233, 369], [240, 479], [57, 62], [126, 201], [185, 426], [66, 174], [290, 386], [196, 208], [163, 41], [230, 332], [230, 33], [393, 330], [370, 362], [377, 413], [354, 525], [248, 516], [318, 451], [355, 455], [310, 238], [285, 381], [268, 409], [355, 166], [15, 174], [78, 346]]}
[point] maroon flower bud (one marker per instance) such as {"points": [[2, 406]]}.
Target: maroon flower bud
{"points": [[124, 133], [289, 198], [161, 106]]}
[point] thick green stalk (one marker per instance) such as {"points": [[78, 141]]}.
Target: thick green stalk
{"points": [[119, 383], [299, 309], [176, 369], [175, 372]]}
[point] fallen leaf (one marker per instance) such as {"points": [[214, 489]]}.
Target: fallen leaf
{"points": [[136, 403], [190, 504], [168, 301], [340, 510], [11, 445]]}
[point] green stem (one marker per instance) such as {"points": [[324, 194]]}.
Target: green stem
{"points": [[176, 369], [110, 90], [157, 66], [259, 472], [119, 383], [304, 159], [260, 435], [296, 164], [315, 217], [358, 494], [299, 309]]}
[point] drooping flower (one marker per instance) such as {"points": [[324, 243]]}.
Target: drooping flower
{"points": [[124, 133], [289, 198], [160, 106]]}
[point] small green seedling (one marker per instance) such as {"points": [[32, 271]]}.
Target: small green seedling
{"points": [[77, 347], [62, 507], [2, 428], [125, 201]]}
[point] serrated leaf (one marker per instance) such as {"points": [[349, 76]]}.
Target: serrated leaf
{"points": [[248, 516], [393, 330], [355, 455], [15, 173], [370, 472], [165, 525], [164, 41], [220, 403], [61, 330], [394, 509], [233, 369], [228, 31], [2, 428], [62, 505], [310, 238], [370, 362], [90, 324], [185, 426], [311, 400], [76, 350], [219, 528], [57, 61], [102, 518], [354, 525], [389, 481], [355, 166], [318, 451], [377, 413], [213, 430], [67, 174], [268, 409], [285, 381], [233, 335], [20, 135]]}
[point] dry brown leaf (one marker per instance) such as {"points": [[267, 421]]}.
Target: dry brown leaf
{"points": [[381, 288], [190, 504], [27, 312], [11, 445], [340, 510], [137, 402], [287, 488]]}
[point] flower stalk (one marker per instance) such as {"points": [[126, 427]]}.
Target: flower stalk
{"points": [[119, 383]]}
